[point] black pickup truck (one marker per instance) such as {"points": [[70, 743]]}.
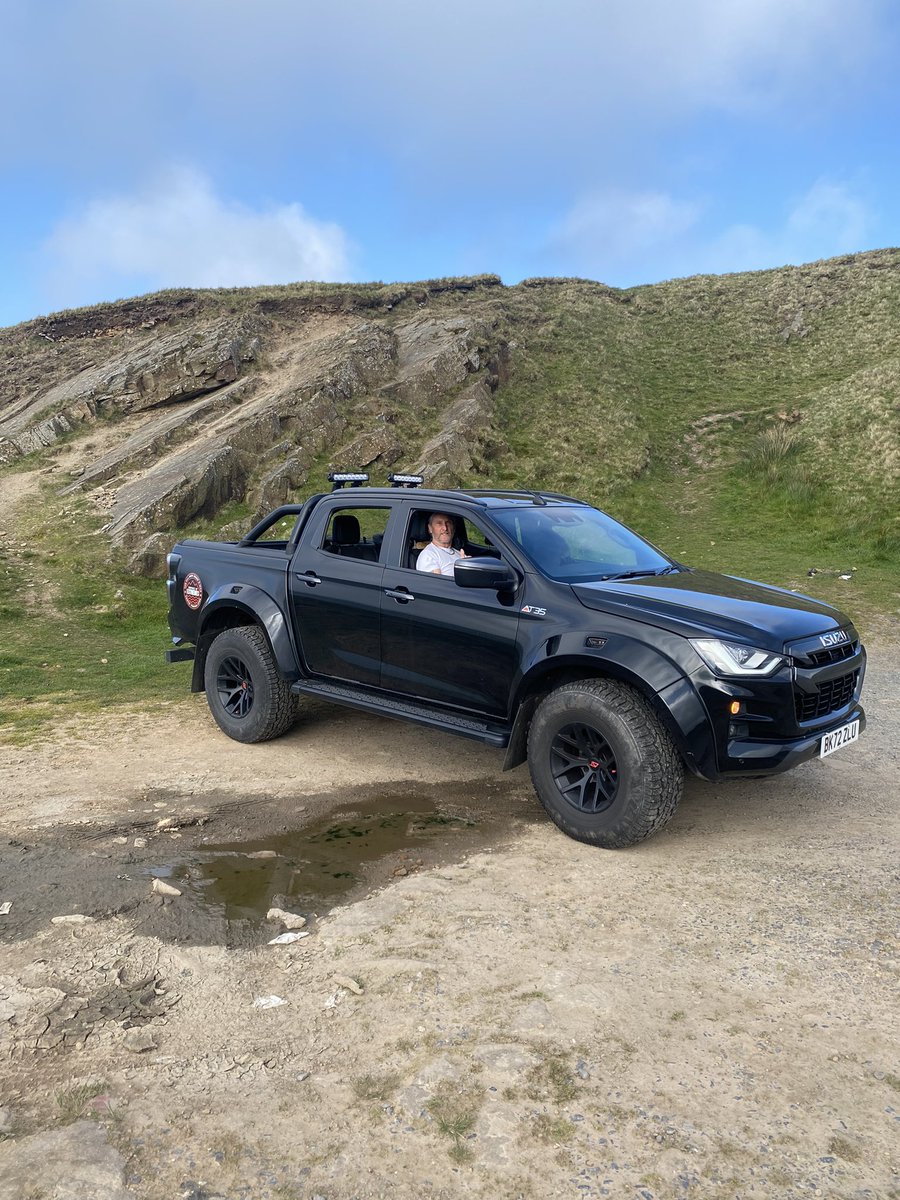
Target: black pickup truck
{"points": [[561, 636]]}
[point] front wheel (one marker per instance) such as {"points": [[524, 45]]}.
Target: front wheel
{"points": [[602, 765], [247, 697]]}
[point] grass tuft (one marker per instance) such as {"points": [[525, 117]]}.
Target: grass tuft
{"points": [[552, 1078], [775, 450], [454, 1110], [375, 1087], [71, 1101], [555, 1130]]}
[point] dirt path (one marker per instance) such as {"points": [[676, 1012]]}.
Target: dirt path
{"points": [[711, 1014]]}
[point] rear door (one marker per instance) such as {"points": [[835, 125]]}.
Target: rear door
{"points": [[443, 643], [335, 586]]}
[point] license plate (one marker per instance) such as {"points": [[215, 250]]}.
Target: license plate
{"points": [[838, 738]]}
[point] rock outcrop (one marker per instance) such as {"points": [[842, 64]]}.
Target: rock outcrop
{"points": [[466, 431], [194, 415], [161, 370]]}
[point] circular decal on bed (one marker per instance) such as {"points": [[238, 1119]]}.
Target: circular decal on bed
{"points": [[193, 591]]}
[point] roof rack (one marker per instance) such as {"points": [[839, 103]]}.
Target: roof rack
{"points": [[539, 498]]}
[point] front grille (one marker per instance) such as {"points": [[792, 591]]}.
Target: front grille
{"points": [[822, 658], [827, 698]]}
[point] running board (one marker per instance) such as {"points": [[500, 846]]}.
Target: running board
{"points": [[493, 733]]}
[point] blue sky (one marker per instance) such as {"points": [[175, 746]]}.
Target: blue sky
{"points": [[223, 142]]}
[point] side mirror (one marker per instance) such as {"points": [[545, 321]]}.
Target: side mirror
{"points": [[484, 573]]}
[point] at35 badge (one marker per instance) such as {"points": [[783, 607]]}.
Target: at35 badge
{"points": [[192, 588]]}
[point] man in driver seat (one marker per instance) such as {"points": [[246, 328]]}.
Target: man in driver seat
{"points": [[439, 556]]}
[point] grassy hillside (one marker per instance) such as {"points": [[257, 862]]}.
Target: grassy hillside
{"points": [[748, 423]]}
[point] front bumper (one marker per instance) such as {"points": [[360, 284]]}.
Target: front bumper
{"points": [[752, 756], [782, 718]]}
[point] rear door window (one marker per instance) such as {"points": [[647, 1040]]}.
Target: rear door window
{"points": [[356, 533]]}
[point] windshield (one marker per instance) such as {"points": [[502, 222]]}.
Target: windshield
{"points": [[578, 544]]}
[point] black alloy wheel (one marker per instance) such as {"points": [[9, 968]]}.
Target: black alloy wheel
{"points": [[246, 693], [603, 765], [234, 685], [584, 768]]}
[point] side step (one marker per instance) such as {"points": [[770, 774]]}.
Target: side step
{"points": [[493, 733]]}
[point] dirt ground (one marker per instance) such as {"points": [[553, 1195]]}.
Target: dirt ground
{"points": [[481, 1007]]}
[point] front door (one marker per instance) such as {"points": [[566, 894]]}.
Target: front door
{"points": [[444, 643]]}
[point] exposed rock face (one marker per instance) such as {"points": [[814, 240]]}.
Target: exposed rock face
{"points": [[283, 482], [161, 370], [161, 431], [240, 408], [381, 445], [435, 356], [466, 429], [150, 560], [196, 483]]}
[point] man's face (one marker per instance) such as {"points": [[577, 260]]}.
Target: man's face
{"points": [[441, 529]]}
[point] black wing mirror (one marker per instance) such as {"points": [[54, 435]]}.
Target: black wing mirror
{"points": [[484, 573]]}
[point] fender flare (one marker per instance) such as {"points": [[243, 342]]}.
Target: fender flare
{"points": [[262, 610], [664, 686]]}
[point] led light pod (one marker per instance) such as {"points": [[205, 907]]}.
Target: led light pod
{"points": [[337, 479]]}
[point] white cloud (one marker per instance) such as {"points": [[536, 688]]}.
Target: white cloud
{"points": [[178, 232], [830, 211], [640, 237], [828, 220], [425, 82], [614, 227]]}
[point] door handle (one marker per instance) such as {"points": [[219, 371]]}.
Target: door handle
{"points": [[401, 594], [310, 578]]}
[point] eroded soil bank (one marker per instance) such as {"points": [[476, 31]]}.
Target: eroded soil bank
{"points": [[481, 1006]]}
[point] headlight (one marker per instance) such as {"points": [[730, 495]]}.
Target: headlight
{"points": [[732, 658]]}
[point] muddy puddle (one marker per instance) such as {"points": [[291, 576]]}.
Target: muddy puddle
{"points": [[243, 859], [311, 870]]}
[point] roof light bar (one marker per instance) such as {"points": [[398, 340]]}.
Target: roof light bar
{"points": [[337, 479], [405, 480]]}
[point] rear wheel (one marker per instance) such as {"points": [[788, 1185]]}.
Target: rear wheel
{"points": [[603, 766], [247, 697]]}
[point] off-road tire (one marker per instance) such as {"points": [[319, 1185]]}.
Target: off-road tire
{"points": [[636, 761], [261, 708]]}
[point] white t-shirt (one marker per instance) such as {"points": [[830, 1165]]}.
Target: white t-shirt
{"points": [[434, 558]]}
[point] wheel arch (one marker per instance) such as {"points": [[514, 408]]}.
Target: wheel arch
{"points": [[251, 606], [547, 676]]}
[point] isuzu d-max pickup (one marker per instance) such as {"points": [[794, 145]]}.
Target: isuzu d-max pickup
{"points": [[561, 636]]}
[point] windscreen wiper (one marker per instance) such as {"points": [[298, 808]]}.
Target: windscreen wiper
{"points": [[647, 571]]}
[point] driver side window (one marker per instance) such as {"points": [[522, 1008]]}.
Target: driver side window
{"points": [[467, 537], [475, 540]]}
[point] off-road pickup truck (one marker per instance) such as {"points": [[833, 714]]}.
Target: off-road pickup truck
{"points": [[561, 636]]}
